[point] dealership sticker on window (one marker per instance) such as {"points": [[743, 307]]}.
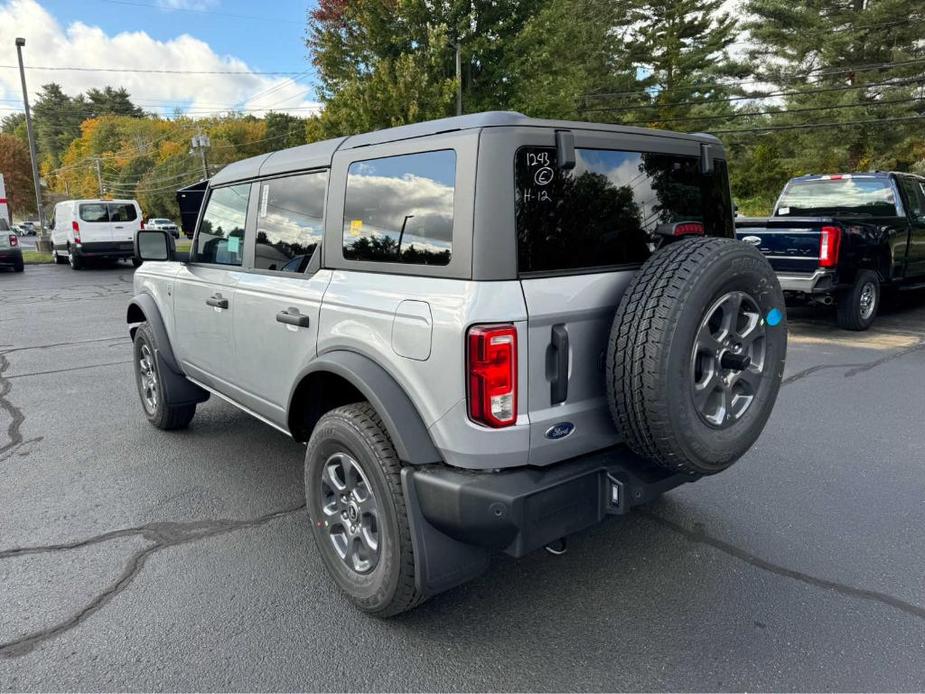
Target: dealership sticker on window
{"points": [[356, 226], [234, 244], [783, 210]]}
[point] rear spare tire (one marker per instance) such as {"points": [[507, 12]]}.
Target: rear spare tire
{"points": [[696, 354]]}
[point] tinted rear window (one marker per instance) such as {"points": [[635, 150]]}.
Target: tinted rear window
{"points": [[864, 196], [108, 212], [400, 209], [604, 212], [94, 212]]}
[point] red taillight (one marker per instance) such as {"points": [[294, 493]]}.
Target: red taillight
{"points": [[829, 245], [76, 227], [13, 240], [142, 225], [492, 372], [685, 228]]}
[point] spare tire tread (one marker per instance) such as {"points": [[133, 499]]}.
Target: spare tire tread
{"points": [[636, 365]]}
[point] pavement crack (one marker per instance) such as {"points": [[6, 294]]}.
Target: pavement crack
{"points": [[699, 536], [162, 534], [72, 368], [13, 431], [854, 368]]}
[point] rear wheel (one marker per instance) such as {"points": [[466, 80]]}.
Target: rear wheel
{"points": [[159, 412], [696, 354], [359, 521], [857, 307], [74, 260], [59, 259]]}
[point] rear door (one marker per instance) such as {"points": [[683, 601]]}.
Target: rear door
{"points": [[124, 221], [93, 219], [582, 235], [914, 192], [278, 301]]}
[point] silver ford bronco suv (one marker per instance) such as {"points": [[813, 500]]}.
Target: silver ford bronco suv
{"points": [[491, 331]]}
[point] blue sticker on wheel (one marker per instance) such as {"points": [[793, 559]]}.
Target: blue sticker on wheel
{"points": [[774, 317]]}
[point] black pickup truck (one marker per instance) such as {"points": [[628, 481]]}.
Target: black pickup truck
{"points": [[840, 238]]}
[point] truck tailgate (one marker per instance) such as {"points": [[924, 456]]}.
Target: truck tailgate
{"points": [[791, 245]]}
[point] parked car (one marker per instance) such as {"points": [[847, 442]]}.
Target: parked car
{"points": [[29, 228], [10, 252], [492, 332], [842, 238], [103, 229], [164, 225]]}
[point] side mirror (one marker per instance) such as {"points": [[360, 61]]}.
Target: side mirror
{"points": [[152, 244]]}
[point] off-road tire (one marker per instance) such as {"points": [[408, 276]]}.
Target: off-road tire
{"points": [[850, 311], [389, 588], [649, 362], [163, 415]]}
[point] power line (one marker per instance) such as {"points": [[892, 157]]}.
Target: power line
{"points": [[809, 126], [57, 68], [755, 97], [781, 112]]}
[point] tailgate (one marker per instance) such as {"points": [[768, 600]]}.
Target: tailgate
{"points": [[791, 245]]}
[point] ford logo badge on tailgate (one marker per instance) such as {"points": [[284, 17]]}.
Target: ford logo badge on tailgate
{"points": [[754, 240], [560, 430]]}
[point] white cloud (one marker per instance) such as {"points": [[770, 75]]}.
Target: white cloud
{"points": [[50, 44], [196, 5]]}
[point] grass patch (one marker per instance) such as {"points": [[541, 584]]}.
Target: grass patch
{"points": [[36, 258], [183, 245]]}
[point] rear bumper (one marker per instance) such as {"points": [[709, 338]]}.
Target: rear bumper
{"points": [[518, 511], [10, 257], [818, 282], [109, 249]]}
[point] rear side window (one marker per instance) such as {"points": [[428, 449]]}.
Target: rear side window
{"points": [[915, 192], [290, 221], [400, 209], [604, 212], [220, 239], [94, 212]]}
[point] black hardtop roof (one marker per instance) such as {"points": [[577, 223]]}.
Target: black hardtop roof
{"points": [[319, 154]]}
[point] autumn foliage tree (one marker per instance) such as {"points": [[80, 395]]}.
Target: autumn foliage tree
{"points": [[17, 175]]}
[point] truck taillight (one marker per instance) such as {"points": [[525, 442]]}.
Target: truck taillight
{"points": [[829, 245], [13, 240], [492, 374], [76, 227], [688, 228]]}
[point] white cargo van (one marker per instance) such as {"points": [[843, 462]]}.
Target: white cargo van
{"points": [[104, 229]]}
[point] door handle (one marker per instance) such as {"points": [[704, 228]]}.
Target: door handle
{"points": [[217, 301], [558, 390], [291, 316]]}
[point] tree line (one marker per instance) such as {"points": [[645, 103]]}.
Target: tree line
{"points": [[791, 88]]}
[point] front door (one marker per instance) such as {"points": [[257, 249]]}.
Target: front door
{"points": [[204, 299], [277, 305]]}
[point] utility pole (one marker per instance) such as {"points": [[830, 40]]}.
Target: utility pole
{"points": [[42, 239], [99, 176], [202, 143], [458, 79]]}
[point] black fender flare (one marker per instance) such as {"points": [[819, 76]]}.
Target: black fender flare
{"points": [[402, 420], [178, 390]]}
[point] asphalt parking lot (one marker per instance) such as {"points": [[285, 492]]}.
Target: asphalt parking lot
{"points": [[134, 559]]}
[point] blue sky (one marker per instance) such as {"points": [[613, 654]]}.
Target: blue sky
{"points": [[177, 35], [265, 44]]}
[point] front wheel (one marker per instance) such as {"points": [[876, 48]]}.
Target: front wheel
{"points": [[159, 412], [857, 307], [357, 509]]}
